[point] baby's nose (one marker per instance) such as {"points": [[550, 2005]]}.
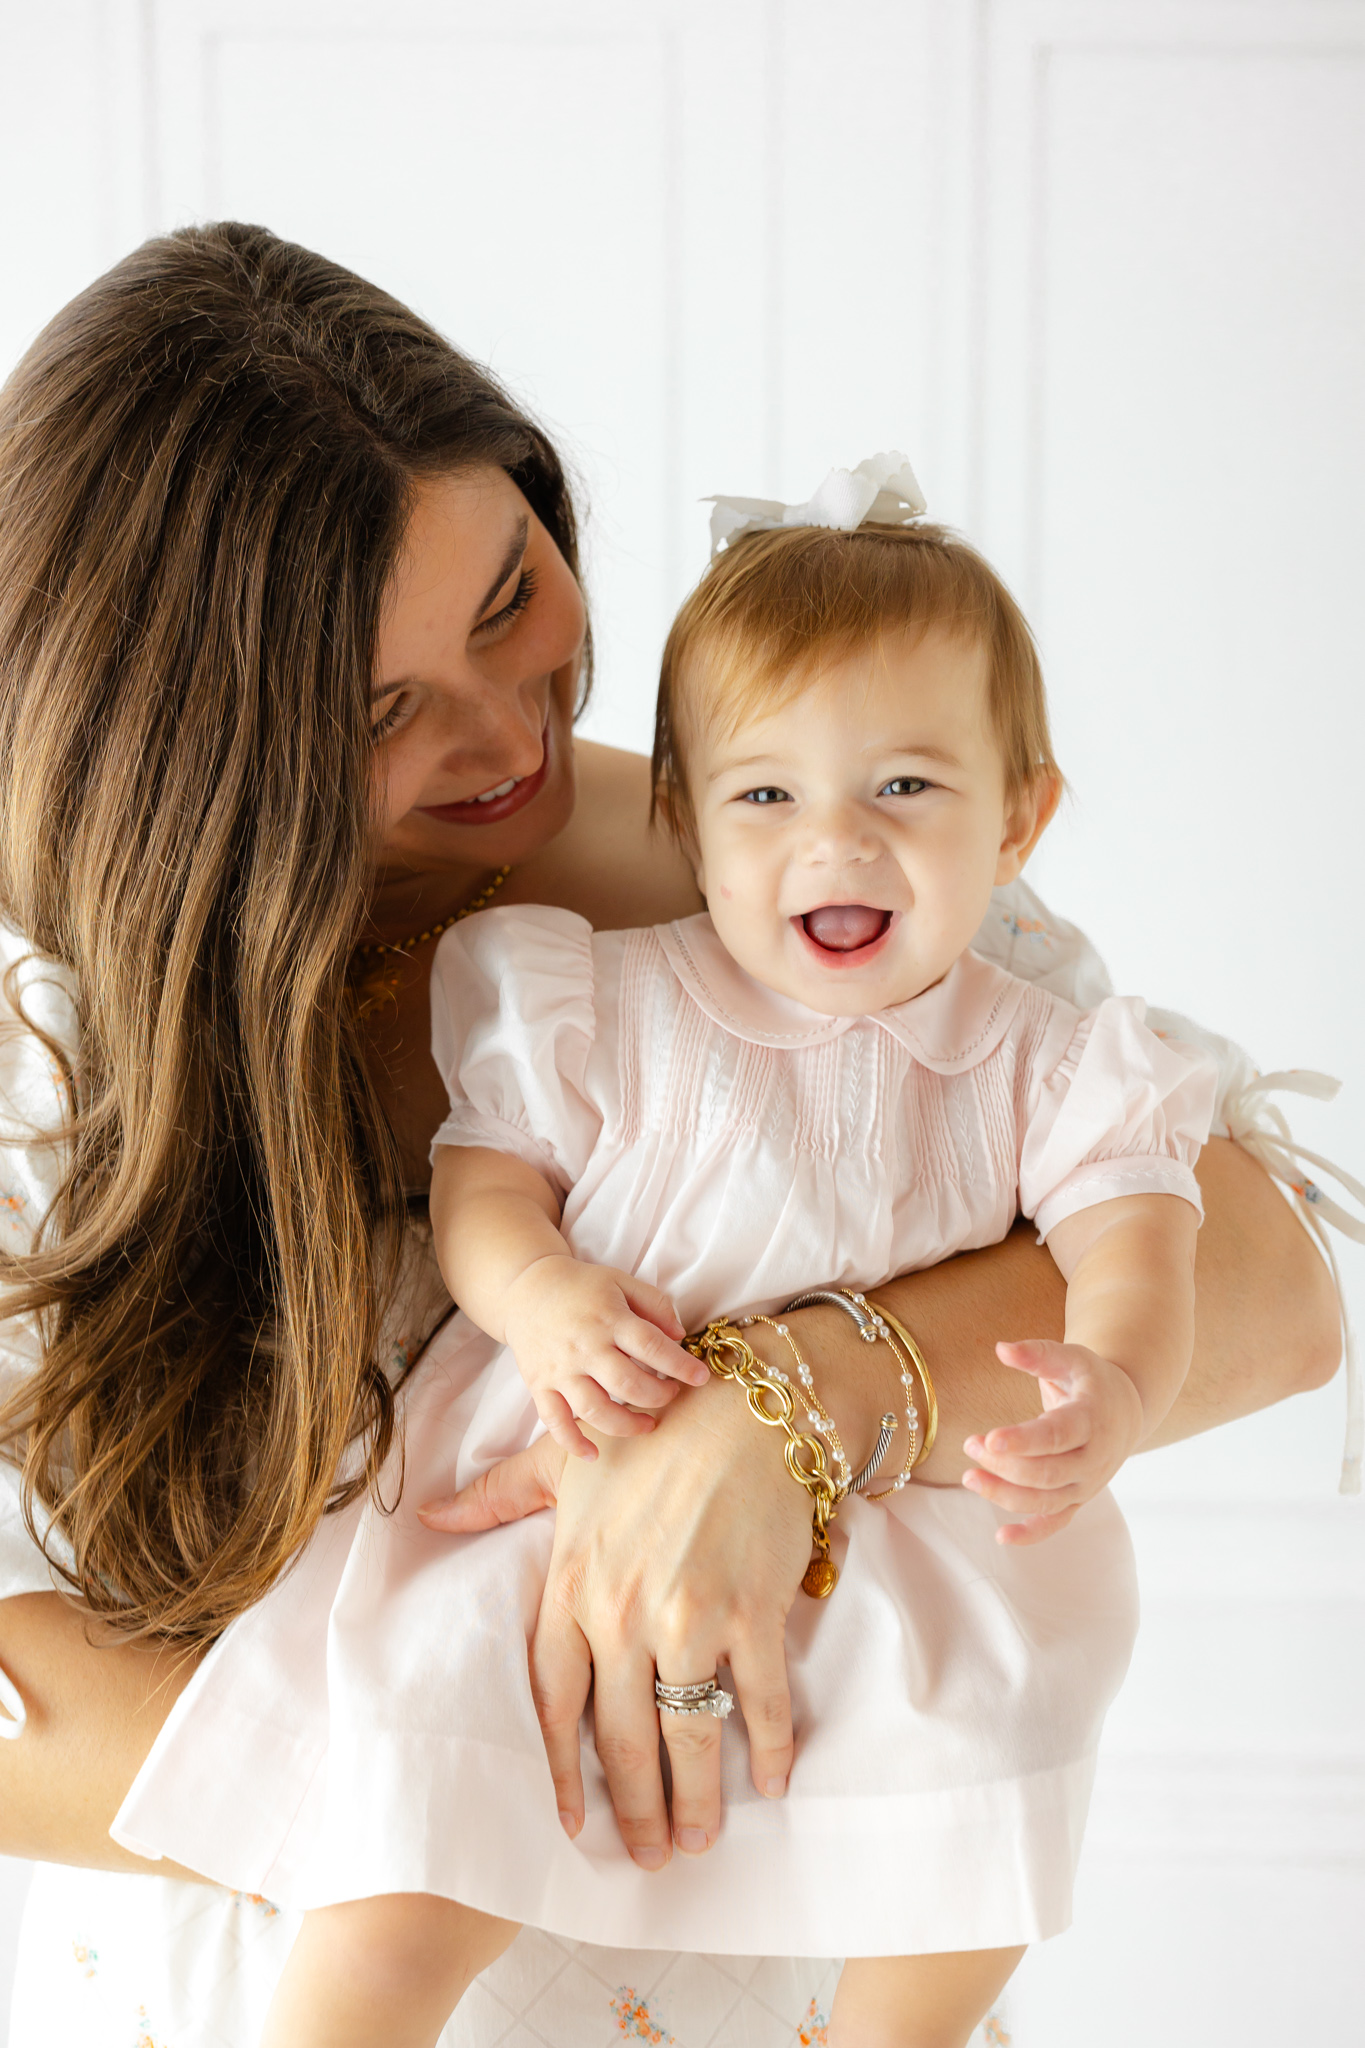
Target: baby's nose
{"points": [[841, 839]]}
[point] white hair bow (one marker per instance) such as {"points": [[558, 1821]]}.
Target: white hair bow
{"points": [[883, 489]]}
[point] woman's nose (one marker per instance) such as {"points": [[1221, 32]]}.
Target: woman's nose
{"points": [[502, 723]]}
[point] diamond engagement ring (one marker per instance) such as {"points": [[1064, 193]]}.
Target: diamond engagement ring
{"points": [[706, 1697]]}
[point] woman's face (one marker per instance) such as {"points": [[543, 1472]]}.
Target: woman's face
{"points": [[480, 645]]}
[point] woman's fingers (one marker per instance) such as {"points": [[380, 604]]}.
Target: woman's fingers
{"points": [[627, 1738], [517, 1486], [561, 1675], [693, 1744], [760, 1673]]}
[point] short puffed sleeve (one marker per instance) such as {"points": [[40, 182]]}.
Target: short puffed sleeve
{"points": [[1121, 1112], [512, 1029], [38, 1030]]}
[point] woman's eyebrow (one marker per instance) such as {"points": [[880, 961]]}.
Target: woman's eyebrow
{"points": [[516, 548]]}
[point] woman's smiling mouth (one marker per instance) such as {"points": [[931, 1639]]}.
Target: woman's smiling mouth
{"points": [[492, 805]]}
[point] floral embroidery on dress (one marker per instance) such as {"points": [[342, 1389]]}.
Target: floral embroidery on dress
{"points": [[144, 2037], [994, 2033], [402, 1355], [263, 1906], [87, 1958], [635, 2021], [13, 1200], [1025, 927], [813, 2031]]}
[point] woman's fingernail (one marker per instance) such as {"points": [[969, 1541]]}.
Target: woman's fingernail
{"points": [[569, 1822], [693, 1840], [648, 1859], [775, 1787]]}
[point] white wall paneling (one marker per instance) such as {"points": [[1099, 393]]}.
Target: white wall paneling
{"points": [[1097, 265]]}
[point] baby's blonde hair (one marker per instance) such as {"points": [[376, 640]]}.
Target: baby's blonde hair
{"points": [[774, 607]]}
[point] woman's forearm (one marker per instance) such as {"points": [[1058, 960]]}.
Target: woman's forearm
{"points": [[95, 1706], [1265, 1323]]}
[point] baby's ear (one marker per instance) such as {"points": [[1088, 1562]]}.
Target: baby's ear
{"points": [[1028, 814]]}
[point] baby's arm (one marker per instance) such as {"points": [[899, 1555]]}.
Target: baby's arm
{"points": [[1129, 1268], [586, 1338]]}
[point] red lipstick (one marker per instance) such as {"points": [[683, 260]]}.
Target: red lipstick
{"points": [[494, 809]]}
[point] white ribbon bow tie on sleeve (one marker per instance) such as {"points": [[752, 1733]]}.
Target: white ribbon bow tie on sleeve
{"points": [[883, 489]]}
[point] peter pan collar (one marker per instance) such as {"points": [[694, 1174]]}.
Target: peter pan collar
{"points": [[953, 1026]]}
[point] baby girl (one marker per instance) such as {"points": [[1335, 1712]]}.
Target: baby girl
{"points": [[816, 1083]]}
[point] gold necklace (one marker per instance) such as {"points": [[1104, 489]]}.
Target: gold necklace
{"points": [[379, 984]]}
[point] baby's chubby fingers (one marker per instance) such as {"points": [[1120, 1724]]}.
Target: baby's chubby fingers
{"points": [[651, 1334], [1061, 1365], [1048, 1459], [643, 1341], [592, 1404], [1064, 1428], [1033, 1529], [1022, 1499], [557, 1413], [627, 1381]]}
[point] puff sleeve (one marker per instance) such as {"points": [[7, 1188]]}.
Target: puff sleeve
{"points": [[1121, 1112], [512, 1029]]}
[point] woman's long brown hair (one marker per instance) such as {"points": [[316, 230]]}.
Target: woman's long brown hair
{"points": [[206, 467]]}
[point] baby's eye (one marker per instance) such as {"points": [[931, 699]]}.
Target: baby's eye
{"points": [[903, 785], [765, 796]]}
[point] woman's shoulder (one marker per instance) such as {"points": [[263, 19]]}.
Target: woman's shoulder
{"points": [[609, 863]]}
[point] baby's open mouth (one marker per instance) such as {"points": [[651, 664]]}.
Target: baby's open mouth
{"points": [[844, 927]]}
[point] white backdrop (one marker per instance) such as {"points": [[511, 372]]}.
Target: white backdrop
{"points": [[1097, 265]]}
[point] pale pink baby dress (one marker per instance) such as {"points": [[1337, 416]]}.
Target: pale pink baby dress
{"points": [[369, 1727]]}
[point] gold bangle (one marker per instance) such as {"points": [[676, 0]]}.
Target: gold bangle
{"points": [[730, 1356], [917, 1359]]}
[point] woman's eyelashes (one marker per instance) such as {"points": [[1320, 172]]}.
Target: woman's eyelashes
{"points": [[489, 628], [498, 621], [390, 720]]}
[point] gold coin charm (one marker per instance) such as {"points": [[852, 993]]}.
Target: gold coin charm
{"points": [[822, 1576]]}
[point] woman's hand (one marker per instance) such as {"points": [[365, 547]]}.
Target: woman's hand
{"points": [[673, 1552]]}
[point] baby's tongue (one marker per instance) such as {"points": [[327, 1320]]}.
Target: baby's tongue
{"points": [[843, 927]]}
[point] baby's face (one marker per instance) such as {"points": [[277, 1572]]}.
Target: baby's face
{"points": [[848, 842]]}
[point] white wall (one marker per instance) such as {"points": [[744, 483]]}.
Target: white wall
{"points": [[1097, 265]]}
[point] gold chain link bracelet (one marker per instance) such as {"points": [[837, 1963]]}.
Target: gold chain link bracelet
{"points": [[731, 1357]]}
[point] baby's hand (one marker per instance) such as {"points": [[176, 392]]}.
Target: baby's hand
{"points": [[588, 1339], [1044, 1470]]}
